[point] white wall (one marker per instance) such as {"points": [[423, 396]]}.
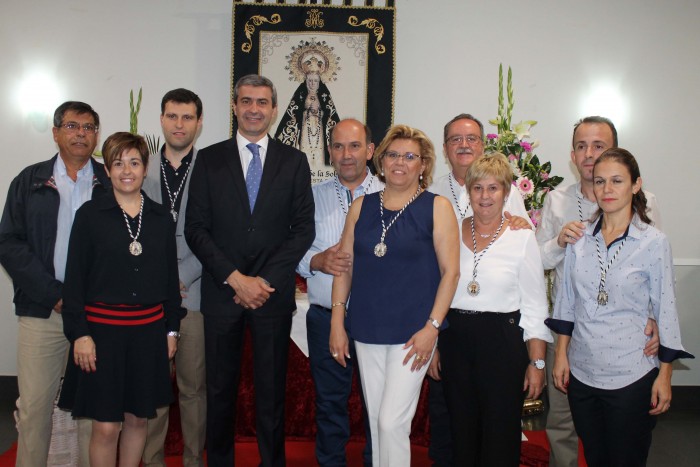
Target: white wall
{"points": [[447, 52]]}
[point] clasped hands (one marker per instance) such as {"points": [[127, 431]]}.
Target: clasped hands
{"points": [[251, 292]]}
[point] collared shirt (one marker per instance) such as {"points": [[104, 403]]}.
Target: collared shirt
{"points": [[246, 155], [458, 196], [560, 208], [510, 277], [332, 200], [176, 179], [73, 194], [607, 341]]}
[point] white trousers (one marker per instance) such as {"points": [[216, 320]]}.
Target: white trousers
{"points": [[391, 393]]}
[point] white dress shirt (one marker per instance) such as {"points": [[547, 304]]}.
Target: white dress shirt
{"points": [[246, 155]]}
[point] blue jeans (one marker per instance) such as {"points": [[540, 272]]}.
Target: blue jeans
{"points": [[332, 383]]}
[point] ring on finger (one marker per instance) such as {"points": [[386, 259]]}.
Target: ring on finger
{"points": [[335, 355]]}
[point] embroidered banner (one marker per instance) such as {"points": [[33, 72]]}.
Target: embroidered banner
{"points": [[328, 62]]}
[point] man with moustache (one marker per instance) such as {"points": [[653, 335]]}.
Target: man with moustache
{"points": [[463, 143], [250, 220], [34, 232], [168, 183], [564, 214], [351, 148]]}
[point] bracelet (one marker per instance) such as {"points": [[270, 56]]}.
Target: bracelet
{"points": [[337, 304]]}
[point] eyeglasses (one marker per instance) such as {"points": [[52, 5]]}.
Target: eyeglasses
{"points": [[459, 139], [395, 156], [73, 127]]}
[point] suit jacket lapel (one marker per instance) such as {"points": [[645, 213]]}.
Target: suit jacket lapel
{"points": [[233, 160]]}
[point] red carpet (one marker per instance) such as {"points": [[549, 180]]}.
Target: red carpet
{"points": [[535, 453]]}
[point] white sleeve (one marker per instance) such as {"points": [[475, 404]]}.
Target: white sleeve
{"points": [[533, 296], [516, 206], [547, 235]]}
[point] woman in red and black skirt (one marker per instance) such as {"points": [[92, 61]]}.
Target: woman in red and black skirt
{"points": [[121, 308]]}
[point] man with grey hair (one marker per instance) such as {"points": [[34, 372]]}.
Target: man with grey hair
{"points": [[34, 232], [564, 214], [250, 220]]}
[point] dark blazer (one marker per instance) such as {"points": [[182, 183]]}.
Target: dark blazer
{"points": [[28, 235], [226, 236]]}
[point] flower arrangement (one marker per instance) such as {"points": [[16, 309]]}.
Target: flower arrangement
{"points": [[530, 177]]}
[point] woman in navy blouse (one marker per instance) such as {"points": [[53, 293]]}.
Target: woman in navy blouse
{"points": [[614, 277], [405, 266]]}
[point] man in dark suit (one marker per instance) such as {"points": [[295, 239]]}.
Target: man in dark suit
{"points": [[250, 219]]}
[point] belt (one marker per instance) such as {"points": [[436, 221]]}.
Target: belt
{"points": [[468, 312]]}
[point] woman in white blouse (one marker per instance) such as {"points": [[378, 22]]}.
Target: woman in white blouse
{"points": [[492, 353], [614, 276]]}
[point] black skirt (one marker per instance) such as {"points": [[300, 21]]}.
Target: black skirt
{"points": [[132, 376]]}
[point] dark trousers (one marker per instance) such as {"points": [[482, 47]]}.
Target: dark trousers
{"points": [[614, 425], [223, 341], [333, 384], [483, 360], [440, 449]]}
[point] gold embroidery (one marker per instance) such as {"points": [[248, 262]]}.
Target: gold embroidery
{"points": [[249, 29], [376, 27], [315, 20]]}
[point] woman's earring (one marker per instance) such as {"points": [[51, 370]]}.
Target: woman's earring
{"points": [[382, 172], [421, 177]]}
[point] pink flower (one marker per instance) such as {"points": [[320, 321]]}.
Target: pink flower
{"points": [[525, 186], [492, 136], [544, 175], [512, 158], [535, 216], [526, 146]]}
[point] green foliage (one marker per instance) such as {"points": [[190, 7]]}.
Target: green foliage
{"points": [[531, 178]]}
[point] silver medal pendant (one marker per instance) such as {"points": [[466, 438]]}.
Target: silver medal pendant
{"points": [[602, 297], [473, 288], [173, 213], [380, 249], [135, 248]]}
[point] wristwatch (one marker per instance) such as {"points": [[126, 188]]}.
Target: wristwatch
{"points": [[435, 323], [539, 363], [174, 334]]}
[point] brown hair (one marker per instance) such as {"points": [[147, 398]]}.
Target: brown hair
{"points": [[116, 144], [624, 157]]}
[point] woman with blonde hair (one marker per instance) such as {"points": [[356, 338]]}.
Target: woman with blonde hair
{"points": [[492, 354], [403, 243]]}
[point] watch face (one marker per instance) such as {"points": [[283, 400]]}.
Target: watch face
{"points": [[539, 364]]}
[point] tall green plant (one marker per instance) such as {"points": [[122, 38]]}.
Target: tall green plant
{"points": [[152, 141]]}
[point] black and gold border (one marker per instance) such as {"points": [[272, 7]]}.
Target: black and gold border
{"points": [[379, 23]]}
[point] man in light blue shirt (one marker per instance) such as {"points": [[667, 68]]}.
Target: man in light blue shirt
{"points": [[34, 233], [351, 148]]}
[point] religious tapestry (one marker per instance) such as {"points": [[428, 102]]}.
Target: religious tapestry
{"points": [[328, 62]]}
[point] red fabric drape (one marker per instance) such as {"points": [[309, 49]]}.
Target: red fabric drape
{"points": [[300, 407]]}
